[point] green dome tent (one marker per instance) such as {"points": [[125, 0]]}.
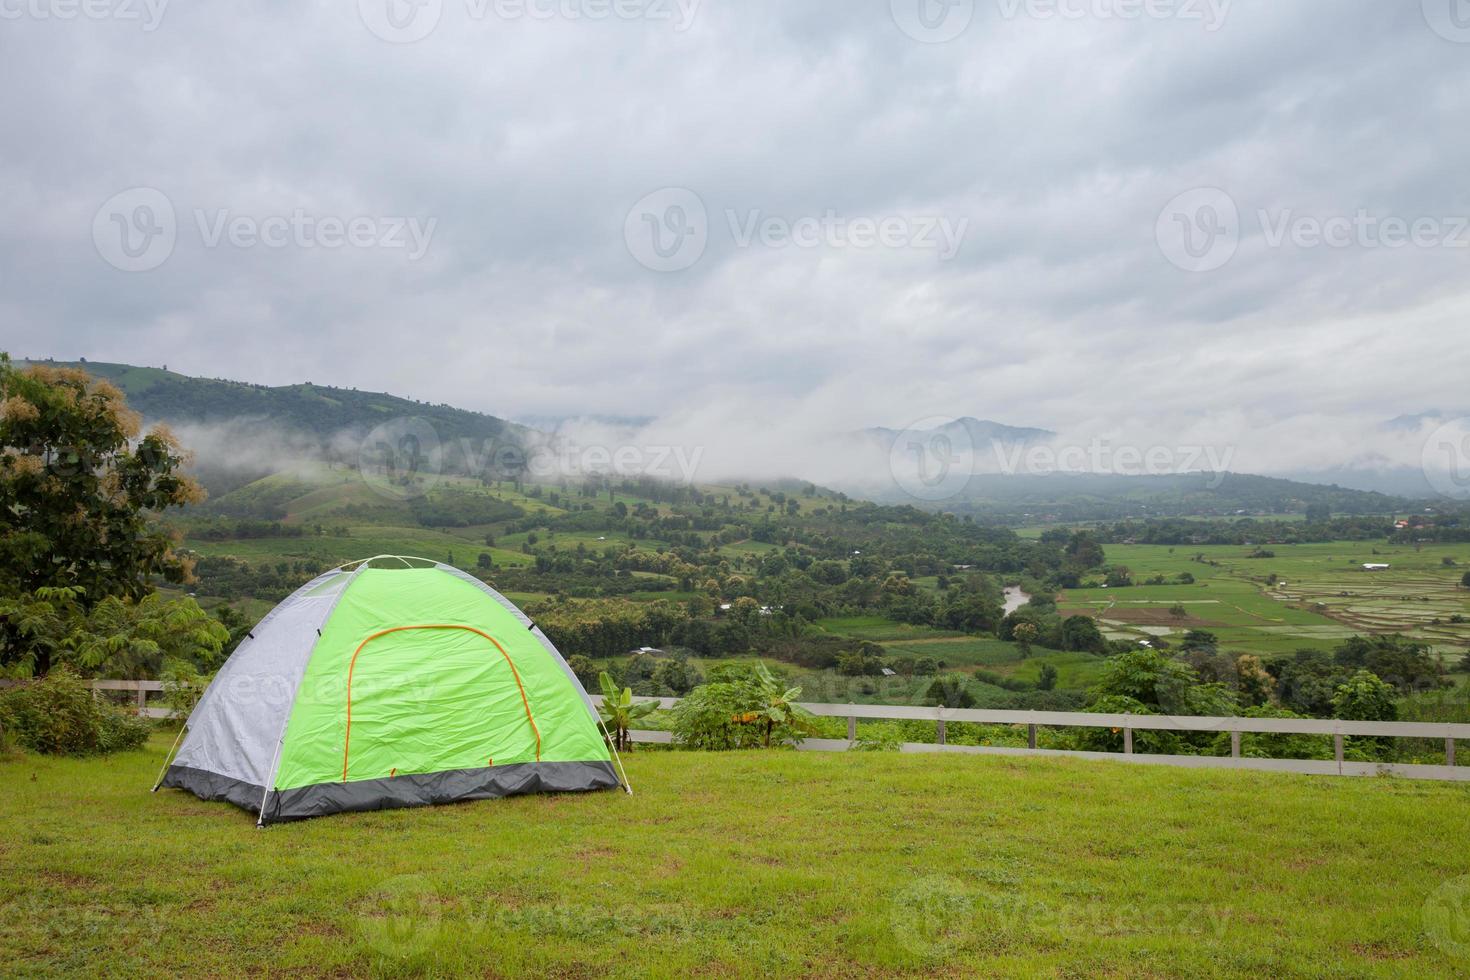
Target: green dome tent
{"points": [[385, 683]]}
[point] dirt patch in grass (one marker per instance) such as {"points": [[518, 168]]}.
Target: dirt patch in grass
{"points": [[1160, 617]]}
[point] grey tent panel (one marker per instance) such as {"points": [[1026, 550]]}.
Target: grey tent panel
{"points": [[234, 729]]}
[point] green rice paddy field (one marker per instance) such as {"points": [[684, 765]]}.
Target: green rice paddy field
{"points": [[1323, 594]]}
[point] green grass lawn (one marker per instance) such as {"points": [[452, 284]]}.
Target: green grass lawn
{"points": [[750, 865]]}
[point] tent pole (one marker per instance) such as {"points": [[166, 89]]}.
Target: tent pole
{"points": [[260, 820], [614, 746], [164, 771]]}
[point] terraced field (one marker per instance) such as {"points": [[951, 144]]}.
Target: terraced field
{"points": [[1322, 595]]}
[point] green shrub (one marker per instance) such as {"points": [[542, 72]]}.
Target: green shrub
{"points": [[58, 715], [742, 707], [183, 687]]}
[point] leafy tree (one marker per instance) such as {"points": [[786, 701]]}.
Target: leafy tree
{"points": [[1047, 679], [1199, 640], [78, 485], [1365, 697], [1162, 684], [1407, 665], [584, 668], [676, 677], [1306, 682], [1082, 633], [950, 691], [1465, 581], [1253, 685], [119, 637], [1084, 551], [1025, 635]]}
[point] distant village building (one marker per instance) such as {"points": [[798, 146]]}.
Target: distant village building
{"points": [[1373, 566]]}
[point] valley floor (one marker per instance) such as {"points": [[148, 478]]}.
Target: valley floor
{"points": [[750, 864]]}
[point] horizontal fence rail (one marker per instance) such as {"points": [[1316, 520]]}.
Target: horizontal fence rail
{"points": [[1337, 729], [140, 689]]}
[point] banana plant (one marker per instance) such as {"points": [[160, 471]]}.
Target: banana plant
{"points": [[778, 707], [619, 711]]}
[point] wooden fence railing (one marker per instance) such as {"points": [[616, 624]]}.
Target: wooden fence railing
{"points": [[140, 690], [1448, 732], [1128, 724]]}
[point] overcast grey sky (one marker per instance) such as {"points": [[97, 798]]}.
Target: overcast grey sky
{"points": [[985, 197]]}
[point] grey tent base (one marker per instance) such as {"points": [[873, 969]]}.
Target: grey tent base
{"points": [[420, 789]]}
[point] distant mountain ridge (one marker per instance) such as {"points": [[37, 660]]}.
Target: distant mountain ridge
{"points": [[160, 395], [331, 424], [978, 431]]}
